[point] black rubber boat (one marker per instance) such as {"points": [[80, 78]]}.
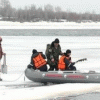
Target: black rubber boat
{"points": [[62, 76]]}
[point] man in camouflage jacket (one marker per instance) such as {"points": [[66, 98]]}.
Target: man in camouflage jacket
{"points": [[53, 54]]}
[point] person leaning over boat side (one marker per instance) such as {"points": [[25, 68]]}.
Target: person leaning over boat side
{"points": [[65, 62], [38, 60], [53, 54]]}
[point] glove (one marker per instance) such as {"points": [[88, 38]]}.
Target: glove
{"points": [[52, 60], [30, 66], [50, 50], [73, 63]]}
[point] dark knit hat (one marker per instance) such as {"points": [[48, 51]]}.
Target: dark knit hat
{"points": [[56, 40], [34, 51], [68, 51]]}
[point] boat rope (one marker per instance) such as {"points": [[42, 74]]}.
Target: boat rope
{"points": [[17, 78]]}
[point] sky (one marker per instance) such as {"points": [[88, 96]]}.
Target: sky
{"points": [[79, 6]]}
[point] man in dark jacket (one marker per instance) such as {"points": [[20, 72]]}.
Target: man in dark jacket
{"points": [[53, 54], [38, 60]]}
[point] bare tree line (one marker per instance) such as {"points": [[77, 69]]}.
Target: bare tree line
{"points": [[48, 13]]}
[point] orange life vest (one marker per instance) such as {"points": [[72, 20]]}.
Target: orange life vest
{"points": [[39, 61], [61, 63]]}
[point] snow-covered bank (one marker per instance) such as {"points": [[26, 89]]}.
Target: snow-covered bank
{"points": [[48, 25]]}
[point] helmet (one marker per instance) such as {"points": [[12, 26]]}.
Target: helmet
{"points": [[0, 39]]}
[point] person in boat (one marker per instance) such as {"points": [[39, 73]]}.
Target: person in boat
{"points": [[38, 60], [53, 54], [65, 62]]}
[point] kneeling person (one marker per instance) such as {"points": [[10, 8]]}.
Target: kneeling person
{"points": [[38, 60], [65, 62]]}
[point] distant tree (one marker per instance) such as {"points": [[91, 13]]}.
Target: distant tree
{"points": [[58, 9], [6, 9], [4, 3], [26, 14], [33, 12], [58, 13], [20, 15], [40, 13], [49, 12]]}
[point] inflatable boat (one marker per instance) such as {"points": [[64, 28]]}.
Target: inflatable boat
{"points": [[62, 76]]}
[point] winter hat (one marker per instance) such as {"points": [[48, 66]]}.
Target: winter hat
{"points": [[34, 51], [68, 51], [56, 40]]}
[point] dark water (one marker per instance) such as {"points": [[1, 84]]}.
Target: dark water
{"points": [[49, 32]]}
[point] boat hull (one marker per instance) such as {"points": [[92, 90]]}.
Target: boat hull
{"points": [[62, 76]]}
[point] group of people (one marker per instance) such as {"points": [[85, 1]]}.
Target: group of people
{"points": [[53, 51]]}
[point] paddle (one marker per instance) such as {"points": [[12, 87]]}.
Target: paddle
{"points": [[78, 61], [81, 60]]}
